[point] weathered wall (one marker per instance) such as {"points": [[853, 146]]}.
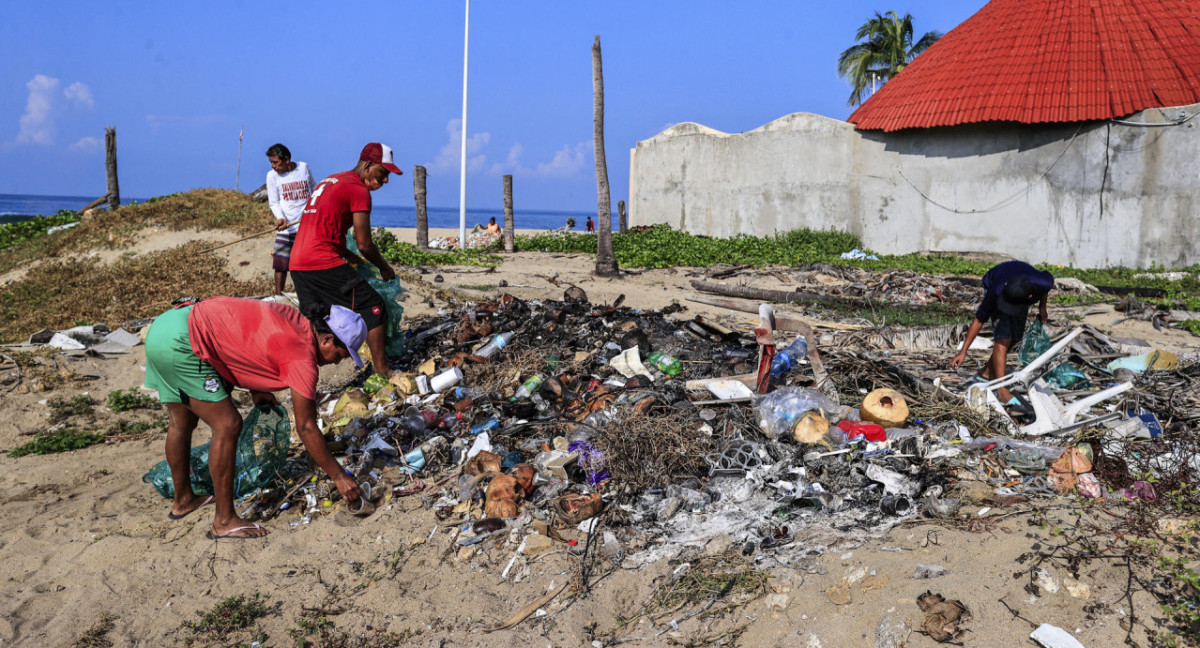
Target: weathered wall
{"points": [[1087, 195]]}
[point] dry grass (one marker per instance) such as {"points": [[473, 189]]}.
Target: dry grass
{"points": [[712, 577], [198, 209], [654, 449], [60, 294]]}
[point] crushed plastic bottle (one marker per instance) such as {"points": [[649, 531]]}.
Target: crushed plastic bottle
{"points": [[785, 359], [492, 423], [526, 390], [779, 410], [495, 344], [664, 363]]}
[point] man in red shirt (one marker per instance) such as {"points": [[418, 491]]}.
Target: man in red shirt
{"points": [[195, 354], [320, 261]]}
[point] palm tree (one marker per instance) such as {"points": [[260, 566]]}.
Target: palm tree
{"points": [[606, 261], [886, 47]]}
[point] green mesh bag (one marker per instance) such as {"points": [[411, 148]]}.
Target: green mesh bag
{"points": [[262, 450], [1037, 342], [390, 291]]}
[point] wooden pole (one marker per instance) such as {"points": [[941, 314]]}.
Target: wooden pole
{"points": [[422, 213], [110, 167], [508, 215], [237, 178], [622, 224], [95, 202]]}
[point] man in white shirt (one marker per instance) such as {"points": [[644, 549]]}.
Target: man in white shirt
{"points": [[289, 185]]}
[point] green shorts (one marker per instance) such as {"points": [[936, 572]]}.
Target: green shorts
{"points": [[171, 366]]}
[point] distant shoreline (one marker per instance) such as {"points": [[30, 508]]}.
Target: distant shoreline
{"points": [[409, 234]]}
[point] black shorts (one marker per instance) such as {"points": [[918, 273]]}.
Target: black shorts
{"points": [[342, 286], [1010, 327]]}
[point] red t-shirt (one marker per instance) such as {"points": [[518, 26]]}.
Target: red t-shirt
{"points": [[256, 345], [321, 240]]}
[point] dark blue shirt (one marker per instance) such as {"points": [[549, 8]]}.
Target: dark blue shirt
{"points": [[996, 278]]}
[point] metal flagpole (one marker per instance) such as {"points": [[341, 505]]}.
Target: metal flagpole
{"points": [[237, 178], [462, 185]]}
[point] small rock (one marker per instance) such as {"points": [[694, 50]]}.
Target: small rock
{"points": [[928, 571], [669, 507], [438, 279], [892, 633], [504, 284], [839, 594], [1077, 589], [778, 601], [536, 543], [1046, 582], [811, 641]]}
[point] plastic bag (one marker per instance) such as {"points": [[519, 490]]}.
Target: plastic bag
{"points": [[262, 450], [779, 410], [1037, 342], [390, 291]]}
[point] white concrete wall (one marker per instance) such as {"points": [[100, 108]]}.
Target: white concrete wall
{"points": [[1030, 192]]}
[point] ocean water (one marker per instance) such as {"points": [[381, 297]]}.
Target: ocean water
{"points": [[19, 207]]}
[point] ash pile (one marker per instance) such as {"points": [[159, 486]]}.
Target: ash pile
{"points": [[531, 426]]}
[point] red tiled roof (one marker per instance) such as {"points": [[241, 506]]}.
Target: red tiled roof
{"points": [[1035, 61]]}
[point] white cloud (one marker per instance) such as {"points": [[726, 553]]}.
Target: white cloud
{"points": [[79, 93], [36, 125], [448, 158], [85, 145], [566, 162]]}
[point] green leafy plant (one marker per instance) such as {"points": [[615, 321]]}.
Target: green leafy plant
{"points": [[408, 254], [125, 428], [1182, 594], [79, 406], [1191, 326], [228, 616], [31, 228], [123, 400], [64, 440]]}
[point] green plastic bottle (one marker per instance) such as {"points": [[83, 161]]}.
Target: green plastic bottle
{"points": [[664, 363], [526, 390]]}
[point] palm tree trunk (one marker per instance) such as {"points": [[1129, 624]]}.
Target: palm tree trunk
{"points": [[508, 215], [606, 261], [422, 214]]}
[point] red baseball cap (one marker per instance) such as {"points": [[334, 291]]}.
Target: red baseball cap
{"points": [[381, 155]]}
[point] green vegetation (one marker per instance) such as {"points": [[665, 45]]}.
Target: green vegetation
{"points": [[1191, 326], [21, 231], [80, 406], [64, 440], [1181, 586], [97, 635], [407, 254], [125, 429], [882, 313], [124, 400], [478, 287], [226, 617]]}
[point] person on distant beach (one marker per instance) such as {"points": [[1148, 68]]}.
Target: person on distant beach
{"points": [[492, 227], [288, 187], [195, 354], [1009, 289], [591, 227], [321, 261]]}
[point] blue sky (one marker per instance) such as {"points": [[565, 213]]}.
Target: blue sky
{"points": [[178, 80]]}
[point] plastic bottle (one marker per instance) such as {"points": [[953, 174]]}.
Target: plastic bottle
{"points": [[414, 423], [785, 359], [450, 420], [530, 386], [492, 423], [475, 394], [664, 363], [495, 344]]}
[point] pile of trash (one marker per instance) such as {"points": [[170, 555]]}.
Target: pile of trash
{"points": [[561, 424], [475, 239]]}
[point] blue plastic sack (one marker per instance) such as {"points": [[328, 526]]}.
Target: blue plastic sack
{"points": [[1037, 342], [262, 450], [390, 291]]}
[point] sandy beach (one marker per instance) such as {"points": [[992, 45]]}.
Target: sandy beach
{"points": [[84, 539]]}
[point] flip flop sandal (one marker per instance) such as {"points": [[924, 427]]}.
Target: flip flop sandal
{"points": [[208, 500], [228, 535]]}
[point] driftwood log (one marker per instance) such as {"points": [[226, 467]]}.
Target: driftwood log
{"points": [[789, 297]]}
